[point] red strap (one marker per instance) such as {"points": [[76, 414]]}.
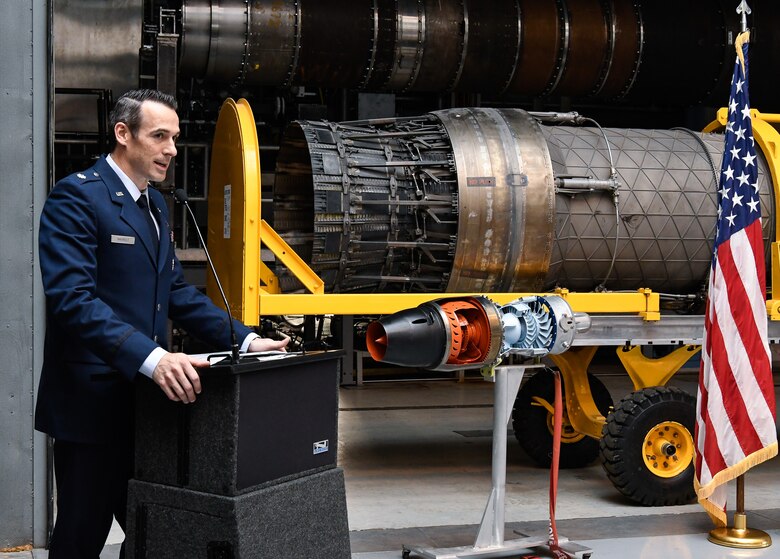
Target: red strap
{"points": [[556, 455]]}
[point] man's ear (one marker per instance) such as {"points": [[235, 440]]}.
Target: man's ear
{"points": [[122, 133]]}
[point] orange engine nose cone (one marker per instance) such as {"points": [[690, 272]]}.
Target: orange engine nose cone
{"points": [[439, 335], [376, 341]]}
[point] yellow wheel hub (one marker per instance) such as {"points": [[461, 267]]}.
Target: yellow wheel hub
{"points": [[668, 449], [568, 434]]}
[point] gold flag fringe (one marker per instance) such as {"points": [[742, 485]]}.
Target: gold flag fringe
{"points": [[717, 515], [741, 39]]}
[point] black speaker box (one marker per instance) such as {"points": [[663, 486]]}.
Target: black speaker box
{"points": [[253, 423]]}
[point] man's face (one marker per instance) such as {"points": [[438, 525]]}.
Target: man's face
{"points": [[149, 151]]}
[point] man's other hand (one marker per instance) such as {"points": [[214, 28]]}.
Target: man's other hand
{"points": [[176, 375], [267, 344]]}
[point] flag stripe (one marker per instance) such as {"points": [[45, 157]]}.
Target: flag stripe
{"points": [[748, 292], [703, 422], [765, 382], [711, 460], [729, 358], [755, 389]]}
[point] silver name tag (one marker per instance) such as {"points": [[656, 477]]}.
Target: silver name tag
{"points": [[122, 240]]}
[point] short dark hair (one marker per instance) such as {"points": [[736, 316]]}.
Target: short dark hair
{"points": [[127, 109]]}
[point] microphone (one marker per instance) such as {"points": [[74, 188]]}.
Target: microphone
{"points": [[182, 197]]}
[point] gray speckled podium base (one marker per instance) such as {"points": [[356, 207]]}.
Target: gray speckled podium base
{"points": [[304, 517]]}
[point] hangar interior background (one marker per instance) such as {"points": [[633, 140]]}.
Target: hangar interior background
{"points": [[625, 64]]}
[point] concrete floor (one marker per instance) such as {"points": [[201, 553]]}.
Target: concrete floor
{"points": [[417, 461]]}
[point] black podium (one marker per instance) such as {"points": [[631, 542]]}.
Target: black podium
{"points": [[247, 471]]}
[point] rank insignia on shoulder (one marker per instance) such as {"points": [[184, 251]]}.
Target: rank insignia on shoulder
{"points": [[81, 175], [120, 193]]}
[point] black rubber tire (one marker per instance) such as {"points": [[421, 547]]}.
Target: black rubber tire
{"points": [[621, 445], [530, 422]]}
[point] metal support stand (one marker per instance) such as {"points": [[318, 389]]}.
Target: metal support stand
{"points": [[490, 538]]}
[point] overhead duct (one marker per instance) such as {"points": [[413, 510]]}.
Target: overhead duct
{"points": [[486, 200], [645, 50]]}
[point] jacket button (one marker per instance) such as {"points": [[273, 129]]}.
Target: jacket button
{"points": [[158, 307], [155, 338]]}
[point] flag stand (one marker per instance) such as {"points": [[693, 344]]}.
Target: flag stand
{"points": [[740, 535]]}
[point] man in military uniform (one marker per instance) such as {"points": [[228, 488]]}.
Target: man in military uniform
{"points": [[112, 280]]}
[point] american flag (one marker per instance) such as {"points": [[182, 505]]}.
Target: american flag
{"points": [[735, 419]]}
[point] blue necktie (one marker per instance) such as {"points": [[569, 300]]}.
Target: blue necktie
{"points": [[143, 203]]}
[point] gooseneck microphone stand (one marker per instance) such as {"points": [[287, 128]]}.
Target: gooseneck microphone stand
{"points": [[182, 197]]}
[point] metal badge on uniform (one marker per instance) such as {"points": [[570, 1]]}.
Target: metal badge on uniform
{"points": [[81, 175], [120, 193], [122, 240]]}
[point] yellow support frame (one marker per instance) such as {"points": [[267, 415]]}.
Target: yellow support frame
{"points": [[640, 302], [581, 409], [646, 371], [285, 254]]}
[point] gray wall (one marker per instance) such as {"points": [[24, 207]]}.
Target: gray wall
{"points": [[86, 31], [24, 164]]}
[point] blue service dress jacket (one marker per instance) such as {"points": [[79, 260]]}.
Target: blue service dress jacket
{"points": [[108, 298]]}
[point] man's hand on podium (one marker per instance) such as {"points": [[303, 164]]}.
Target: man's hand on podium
{"points": [[267, 344], [176, 375]]}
